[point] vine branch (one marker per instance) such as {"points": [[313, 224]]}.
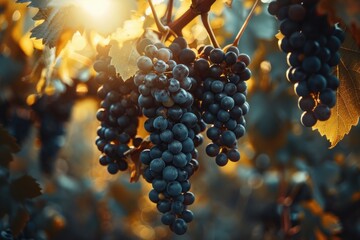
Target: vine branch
{"points": [[162, 29], [197, 8], [206, 23], [243, 27], [168, 13]]}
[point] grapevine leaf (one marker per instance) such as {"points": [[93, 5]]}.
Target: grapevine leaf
{"points": [[24, 187], [57, 23], [42, 14], [61, 19], [346, 112], [19, 220], [132, 157], [124, 58]]}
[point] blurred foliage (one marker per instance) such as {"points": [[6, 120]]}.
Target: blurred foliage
{"points": [[286, 173]]}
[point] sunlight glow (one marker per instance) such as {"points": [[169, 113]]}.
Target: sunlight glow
{"points": [[96, 8]]}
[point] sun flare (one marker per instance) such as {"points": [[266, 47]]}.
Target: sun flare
{"points": [[96, 8]]}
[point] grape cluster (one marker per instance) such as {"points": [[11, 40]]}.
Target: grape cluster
{"points": [[119, 114], [224, 102], [166, 102], [52, 111], [312, 46]]}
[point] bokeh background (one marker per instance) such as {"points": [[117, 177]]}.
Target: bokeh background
{"points": [[48, 103]]}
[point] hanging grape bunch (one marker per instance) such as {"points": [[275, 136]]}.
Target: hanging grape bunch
{"points": [[224, 99], [179, 93], [166, 102], [118, 114], [312, 45]]}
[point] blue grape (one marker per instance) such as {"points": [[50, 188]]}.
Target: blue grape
{"points": [[179, 226], [328, 97], [228, 138], [233, 155], [189, 198], [177, 207], [179, 160], [170, 173], [160, 123], [221, 159], [159, 184], [308, 119], [164, 206], [187, 215], [217, 55], [168, 218], [157, 165], [145, 64], [174, 188], [322, 112], [306, 103]]}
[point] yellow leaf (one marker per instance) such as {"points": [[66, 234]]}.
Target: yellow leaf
{"points": [[26, 44], [346, 112], [124, 57], [132, 157]]}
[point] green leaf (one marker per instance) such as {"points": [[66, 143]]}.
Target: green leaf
{"points": [[24, 187], [346, 112]]}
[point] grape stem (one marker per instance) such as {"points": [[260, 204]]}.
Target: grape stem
{"points": [[166, 19], [197, 8], [206, 23], [164, 30], [243, 27]]}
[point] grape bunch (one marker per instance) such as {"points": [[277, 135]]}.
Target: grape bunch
{"points": [[166, 102], [312, 46], [52, 112], [119, 114], [224, 102]]}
